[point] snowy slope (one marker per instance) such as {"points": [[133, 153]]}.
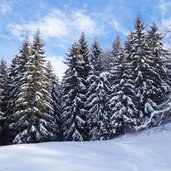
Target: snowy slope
{"points": [[147, 151]]}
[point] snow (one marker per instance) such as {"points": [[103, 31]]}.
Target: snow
{"points": [[145, 151]]}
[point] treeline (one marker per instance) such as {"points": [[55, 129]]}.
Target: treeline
{"points": [[101, 96]]}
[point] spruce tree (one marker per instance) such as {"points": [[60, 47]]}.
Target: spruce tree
{"points": [[156, 89], [33, 118], [57, 104], [97, 96], [84, 54], [123, 113], [3, 84], [137, 53], [15, 81], [73, 116], [117, 56], [83, 74], [55, 89]]}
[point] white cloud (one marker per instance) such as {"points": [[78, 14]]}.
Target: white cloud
{"points": [[4, 8], [164, 6], [16, 29], [119, 28], [84, 23], [58, 24], [58, 65], [165, 28], [166, 23]]}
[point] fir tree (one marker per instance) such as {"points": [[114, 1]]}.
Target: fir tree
{"points": [[3, 77], [123, 110], [137, 52], [155, 81], [83, 74], [3, 85], [55, 90], [97, 101], [57, 104], [15, 81], [84, 53], [34, 120], [117, 56], [73, 118]]}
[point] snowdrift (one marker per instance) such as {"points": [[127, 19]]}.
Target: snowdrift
{"points": [[146, 151]]}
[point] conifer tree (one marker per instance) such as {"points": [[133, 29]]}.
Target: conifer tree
{"points": [[15, 81], [33, 118], [156, 89], [84, 54], [123, 110], [117, 56], [3, 85], [73, 116], [97, 96], [137, 59], [3, 77], [13, 84], [55, 90], [83, 74], [57, 104]]}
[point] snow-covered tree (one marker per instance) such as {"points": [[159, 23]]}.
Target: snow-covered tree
{"points": [[73, 116], [106, 60], [117, 56], [97, 96], [156, 89], [57, 104], [15, 81], [123, 114], [137, 59], [3, 78], [84, 54], [83, 74], [33, 118], [55, 89], [3, 84], [16, 119]]}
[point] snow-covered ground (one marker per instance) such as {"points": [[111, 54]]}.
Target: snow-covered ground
{"points": [[146, 151]]}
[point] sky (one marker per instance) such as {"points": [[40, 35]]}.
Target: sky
{"points": [[62, 21]]}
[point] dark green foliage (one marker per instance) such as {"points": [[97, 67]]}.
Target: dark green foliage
{"points": [[32, 118], [102, 94], [73, 116], [123, 114], [97, 99], [3, 104]]}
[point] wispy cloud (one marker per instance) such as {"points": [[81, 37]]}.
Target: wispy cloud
{"points": [[119, 28], [4, 8], [166, 23], [58, 24], [16, 29], [164, 6]]}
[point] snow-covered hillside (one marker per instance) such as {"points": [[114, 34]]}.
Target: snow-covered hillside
{"points": [[146, 151]]}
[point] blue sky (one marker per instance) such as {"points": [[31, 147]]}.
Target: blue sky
{"points": [[62, 21]]}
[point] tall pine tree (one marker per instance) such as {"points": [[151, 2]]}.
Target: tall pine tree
{"points": [[73, 115], [55, 89], [123, 110], [97, 96], [33, 118], [3, 105], [15, 81], [156, 89]]}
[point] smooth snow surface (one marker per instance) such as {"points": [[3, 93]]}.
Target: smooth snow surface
{"points": [[146, 151]]}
